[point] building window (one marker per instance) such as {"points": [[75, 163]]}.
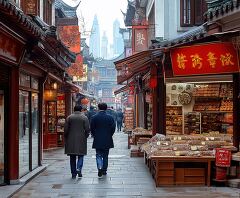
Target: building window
{"points": [[192, 11], [47, 11]]}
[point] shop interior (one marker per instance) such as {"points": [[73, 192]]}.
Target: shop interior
{"points": [[199, 107]]}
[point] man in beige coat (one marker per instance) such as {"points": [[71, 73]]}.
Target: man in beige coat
{"points": [[76, 132]]}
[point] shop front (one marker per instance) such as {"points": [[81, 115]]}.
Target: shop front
{"points": [[11, 53], [58, 104], [202, 94], [202, 114]]}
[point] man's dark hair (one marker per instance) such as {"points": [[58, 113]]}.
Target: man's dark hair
{"points": [[78, 108], [102, 106]]}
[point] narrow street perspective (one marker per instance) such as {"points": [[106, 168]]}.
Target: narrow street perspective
{"points": [[120, 98], [127, 177]]}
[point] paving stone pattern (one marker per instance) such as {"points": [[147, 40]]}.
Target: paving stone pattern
{"points": [[127, 177]]}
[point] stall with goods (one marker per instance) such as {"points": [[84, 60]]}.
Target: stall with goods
{"points": [[184, 159], [138, 137]]}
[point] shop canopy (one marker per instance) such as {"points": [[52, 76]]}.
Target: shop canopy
{"points": [[135, 64], [121, 89]]}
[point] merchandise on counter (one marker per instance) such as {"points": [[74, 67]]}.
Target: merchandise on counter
{"points": [[226, 105], [187, 145], [128, 118], [206, 90], [226, 90], [192, 123], [206, 106], [174, 119]]}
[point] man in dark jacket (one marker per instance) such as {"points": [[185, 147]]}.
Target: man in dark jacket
{"points": [[102, 128], [76, 132]]}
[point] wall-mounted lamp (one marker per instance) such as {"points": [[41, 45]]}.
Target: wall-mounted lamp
{"points": [[55, 85]]}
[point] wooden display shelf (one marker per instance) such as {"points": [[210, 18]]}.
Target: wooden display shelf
{"points": [[180, 170]]}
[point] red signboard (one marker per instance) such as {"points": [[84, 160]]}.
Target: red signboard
{"points": [[211, 58], [140, 39], [10, 49], [70, 36], [223, 157]]}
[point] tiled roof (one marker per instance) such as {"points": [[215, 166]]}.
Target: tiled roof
{"points": [[16, 15], [217, 9], [191, 35], [66, 9]]}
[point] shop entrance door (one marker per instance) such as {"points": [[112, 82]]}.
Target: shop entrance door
{"points": [[2, 137]]}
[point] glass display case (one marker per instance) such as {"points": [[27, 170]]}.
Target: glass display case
{"points": [[51, 116], [60, 119]]}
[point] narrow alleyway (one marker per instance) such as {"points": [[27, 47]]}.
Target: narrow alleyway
{"points": [[127, 177]]}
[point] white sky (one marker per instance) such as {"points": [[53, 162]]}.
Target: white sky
{"points": [[107, 11]]}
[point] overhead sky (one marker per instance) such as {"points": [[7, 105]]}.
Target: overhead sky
{"points": [[106, 10]]}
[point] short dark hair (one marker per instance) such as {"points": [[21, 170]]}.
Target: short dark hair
{"points": [[78, 108], [102, 106]]}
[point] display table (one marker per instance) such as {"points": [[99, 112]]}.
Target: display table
{"points": [[180, 170]]}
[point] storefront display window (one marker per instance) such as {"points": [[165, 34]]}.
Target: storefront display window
{"points": [[24, 127], [2, 137], [35, 130], [51, 109]]}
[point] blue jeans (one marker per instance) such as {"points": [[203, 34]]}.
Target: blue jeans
{"points": [[73, 164], [102, 158]]}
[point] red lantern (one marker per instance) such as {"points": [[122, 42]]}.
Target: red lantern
{"points": [[84, 101], [153, 82]]}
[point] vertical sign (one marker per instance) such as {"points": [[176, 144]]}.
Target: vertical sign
{"points": [[31, 7], [140, 39]]}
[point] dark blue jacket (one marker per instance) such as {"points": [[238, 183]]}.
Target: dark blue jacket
{"points": [[102, 129]]}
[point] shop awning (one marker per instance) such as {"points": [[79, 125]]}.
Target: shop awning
{"points": [[74, 88], [135, 64], [120, 90]]}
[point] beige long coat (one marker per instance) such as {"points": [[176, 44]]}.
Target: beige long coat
{"points": [[76, 132]]}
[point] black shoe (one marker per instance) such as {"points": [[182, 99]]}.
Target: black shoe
{"points": [[79, 174], [100, 173], [74, 176], [104, 172]]}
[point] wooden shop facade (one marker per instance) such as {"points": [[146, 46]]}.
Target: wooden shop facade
{"points": [[32, 64]]}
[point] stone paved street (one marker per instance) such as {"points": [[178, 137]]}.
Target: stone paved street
{"points": [[127, 177]]}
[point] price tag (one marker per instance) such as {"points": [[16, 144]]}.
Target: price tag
{"points": [[179, 138], [203, 143], [207, 138], [158, 143]]}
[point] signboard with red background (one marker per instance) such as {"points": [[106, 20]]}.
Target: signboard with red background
{"points": [[223, 157], [70, 36], [210, 58]]}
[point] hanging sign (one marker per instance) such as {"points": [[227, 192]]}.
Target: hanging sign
{"points": [[140, 39], [211, 58], [223, 157], [31, 7]]}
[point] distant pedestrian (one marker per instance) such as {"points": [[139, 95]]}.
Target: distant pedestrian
{"points": [[102, 128], [119, 119], [111, 112], [76, 132], [91, 113]]}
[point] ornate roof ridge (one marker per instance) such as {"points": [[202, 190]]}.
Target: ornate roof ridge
{"points": [[217, 9]]}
